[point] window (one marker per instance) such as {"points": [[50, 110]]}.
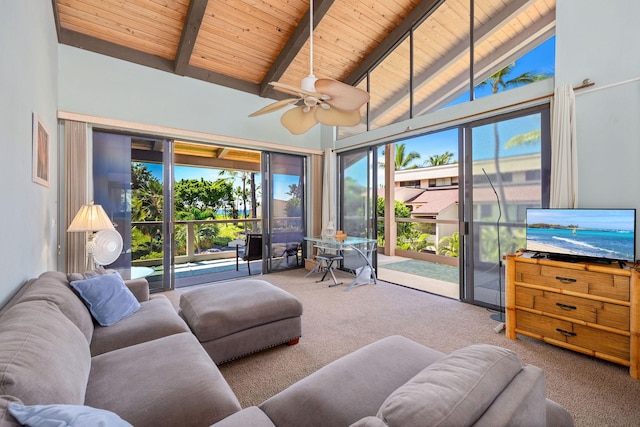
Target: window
{"points": [[432, 67]]}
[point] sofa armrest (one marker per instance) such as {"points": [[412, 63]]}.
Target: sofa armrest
{"points": [[139, 288]]}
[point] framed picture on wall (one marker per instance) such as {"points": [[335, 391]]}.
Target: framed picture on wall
{"points": [[40, 152]]}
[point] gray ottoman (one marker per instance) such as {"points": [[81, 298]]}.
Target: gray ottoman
{"points": [[237, 318]]}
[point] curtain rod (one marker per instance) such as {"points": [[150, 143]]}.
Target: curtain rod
{"points": [[585, 84]]}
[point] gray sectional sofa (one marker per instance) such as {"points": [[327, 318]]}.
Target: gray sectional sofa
{"points": [[148, 369]]}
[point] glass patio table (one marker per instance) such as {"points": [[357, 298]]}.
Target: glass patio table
{"points": [[365, 248]]}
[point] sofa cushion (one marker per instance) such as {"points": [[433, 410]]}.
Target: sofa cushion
{"points": [[156, 318], [168, 381], [453, 391], [44, 358], [53, 286], [108, 298], [64, 415], [352, 387]]}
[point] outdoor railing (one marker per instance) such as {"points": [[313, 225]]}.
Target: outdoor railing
{"points": [[420, 238], [191, 237], [201, 240]]}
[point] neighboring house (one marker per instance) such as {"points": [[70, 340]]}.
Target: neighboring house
{"points": [[432, 192]]}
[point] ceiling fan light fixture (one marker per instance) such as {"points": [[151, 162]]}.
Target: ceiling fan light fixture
{"points": [[310, 101], [309, 83]]}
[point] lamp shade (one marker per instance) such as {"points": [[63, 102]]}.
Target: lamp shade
{"points": [[91, 218]]}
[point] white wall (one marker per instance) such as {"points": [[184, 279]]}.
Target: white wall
{"points": [[102, 86], [28, 83], [600, 41]]}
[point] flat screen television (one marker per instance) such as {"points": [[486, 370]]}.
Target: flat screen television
{"points": [[595, 235]]}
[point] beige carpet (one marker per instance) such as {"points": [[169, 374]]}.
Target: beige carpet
{"points": [[335, 322]]}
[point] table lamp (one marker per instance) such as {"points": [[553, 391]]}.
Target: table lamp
{"points": [[89, 219]]}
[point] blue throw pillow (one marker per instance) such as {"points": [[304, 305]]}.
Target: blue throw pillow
{"points": [[64, 415], [108, 298]]}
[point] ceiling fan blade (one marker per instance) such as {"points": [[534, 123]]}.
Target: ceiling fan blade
{"points": [[275, 106], [337, 117], [343, 96], [297, 121], [283, 87]]}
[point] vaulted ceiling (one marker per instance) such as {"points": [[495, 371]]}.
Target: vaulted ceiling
{"points": [[245, 44]]}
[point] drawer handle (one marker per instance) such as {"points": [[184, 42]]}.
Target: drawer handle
{"points": [[566, 333], [565, 279], [566, 306]]}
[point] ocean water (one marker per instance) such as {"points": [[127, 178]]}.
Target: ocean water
{"points": [[612, 244]]}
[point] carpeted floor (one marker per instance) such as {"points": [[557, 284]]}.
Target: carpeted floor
{"points": [[335, 323]]}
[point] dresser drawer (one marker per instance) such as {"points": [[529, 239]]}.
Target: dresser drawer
{"points": [[588, 310], [587, 282], [578, 335]]}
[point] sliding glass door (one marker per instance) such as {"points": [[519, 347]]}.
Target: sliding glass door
{"points": [[507, 171], [129, 182], [357, 180], [285, 198]]}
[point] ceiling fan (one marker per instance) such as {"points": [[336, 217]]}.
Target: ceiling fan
{"points": [[325, 101]]}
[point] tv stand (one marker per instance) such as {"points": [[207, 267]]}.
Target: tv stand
{"points": [[581, 306]]}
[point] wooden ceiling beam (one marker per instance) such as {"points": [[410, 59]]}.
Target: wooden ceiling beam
{"points": [[193, 20], [211, 162], [293, 46], [83, 41]]}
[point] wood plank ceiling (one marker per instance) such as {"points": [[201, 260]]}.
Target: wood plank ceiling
{"points": [[245, 44]]}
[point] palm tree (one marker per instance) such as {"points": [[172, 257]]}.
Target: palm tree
{"points": [[499, 80], [240, 191], [439, 159], [450, 245], [402, 160]]}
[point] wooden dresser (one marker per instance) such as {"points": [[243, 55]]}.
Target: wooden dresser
{"points": [[589, 308]]}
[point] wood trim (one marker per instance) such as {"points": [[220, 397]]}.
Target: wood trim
{"points": [[183, 134]]}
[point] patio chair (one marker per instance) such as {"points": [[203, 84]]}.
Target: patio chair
{"points": [[252, 249]]}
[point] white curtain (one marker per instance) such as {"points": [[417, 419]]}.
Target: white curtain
{"points": [[329, 189], [564, 154]]}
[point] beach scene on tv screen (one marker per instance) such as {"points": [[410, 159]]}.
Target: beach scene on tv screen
{"points": [[583, 232]]}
